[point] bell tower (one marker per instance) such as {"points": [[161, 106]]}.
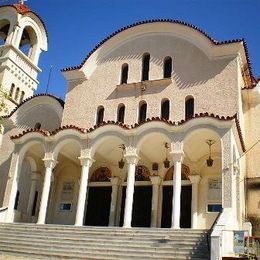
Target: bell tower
{"points": [[23, 37]]}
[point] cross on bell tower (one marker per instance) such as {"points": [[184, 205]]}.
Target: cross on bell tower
{"points": [[22, 1]]}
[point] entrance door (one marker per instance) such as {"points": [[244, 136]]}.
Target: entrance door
{"points": [[98, 209], [141, 214], [185, 207]]}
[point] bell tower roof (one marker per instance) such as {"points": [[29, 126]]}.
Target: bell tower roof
{"points": [[21, 8]]}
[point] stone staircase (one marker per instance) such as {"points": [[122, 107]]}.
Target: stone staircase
{"points": [[33, 241]]}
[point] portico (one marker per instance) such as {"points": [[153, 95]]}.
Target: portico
{"points": [[69, 175]]}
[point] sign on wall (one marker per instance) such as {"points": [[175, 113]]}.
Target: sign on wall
{"points": [[214, 190], [67, 191]]}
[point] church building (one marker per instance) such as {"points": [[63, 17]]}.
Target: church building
{"points": [[159, 129]]}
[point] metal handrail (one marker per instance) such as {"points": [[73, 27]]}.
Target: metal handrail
{"points": [[252, 247], [212, 227]]}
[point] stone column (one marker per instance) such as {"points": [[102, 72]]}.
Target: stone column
{"points": [[115, 182], [49, 165], [34, 177], [132, 159], [176, 198], [194, 179], [86, 163], [156, 181], [12, 187]]}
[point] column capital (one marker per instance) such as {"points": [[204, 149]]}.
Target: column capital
{"points": [[131, 155], [155, 180], [115, 180], [49, 162], [86, 161], [194, 178]]}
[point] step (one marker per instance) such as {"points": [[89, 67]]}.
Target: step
{"points": [[107, 236], [81, 246], [102, 229], [98, 232], [111, 242], [98, 254]]}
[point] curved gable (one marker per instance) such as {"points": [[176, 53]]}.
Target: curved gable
{"points": [[42, 108], [175, 28]]}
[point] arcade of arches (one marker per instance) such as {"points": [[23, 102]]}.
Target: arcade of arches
{"points": [[83, 184]]}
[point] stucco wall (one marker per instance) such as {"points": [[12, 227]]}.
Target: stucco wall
{"points": [[67, 172], [212, 83]]}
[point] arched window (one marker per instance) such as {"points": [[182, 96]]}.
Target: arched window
{"points": [[16, 94], [22, 96], [145, 66], [16, 202], [37, 126], [167, 67], [4, 30], [165, 109], [100, 115], [189, 107], [12, 90], [121, 113], [142, 112], [124, 73], [28, 42]]}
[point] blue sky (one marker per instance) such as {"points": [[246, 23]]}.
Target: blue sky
{"points": [[75, 27]]}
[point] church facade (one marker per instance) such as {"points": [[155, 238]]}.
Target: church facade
{"points": [[158, 129]]}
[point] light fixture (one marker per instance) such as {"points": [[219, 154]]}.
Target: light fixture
{"points": [[166, 162], [210, 160], [121, 163]]}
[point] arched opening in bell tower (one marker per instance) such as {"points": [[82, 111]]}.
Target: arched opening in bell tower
{"points": [[4, 30], [28, 43]]}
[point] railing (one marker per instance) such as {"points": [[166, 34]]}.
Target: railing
{"points": [[211, 228], [252, 247], [2, 213]]}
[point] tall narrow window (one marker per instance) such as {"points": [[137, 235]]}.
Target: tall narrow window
{"points": [[16, 94], [124, 73], [142, 112], [12, 90], [121, 113], [100, 115], [22, 96], [145, 66], [34, 203], [17, 199], [165, 109], [37, 126], [167, 67], [189, 107]]}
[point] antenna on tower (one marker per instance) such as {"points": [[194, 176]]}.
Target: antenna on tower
{"points": [[49, 78]]}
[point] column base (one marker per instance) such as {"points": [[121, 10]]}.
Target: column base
{"points": [[175, 227], [126, 226]]}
